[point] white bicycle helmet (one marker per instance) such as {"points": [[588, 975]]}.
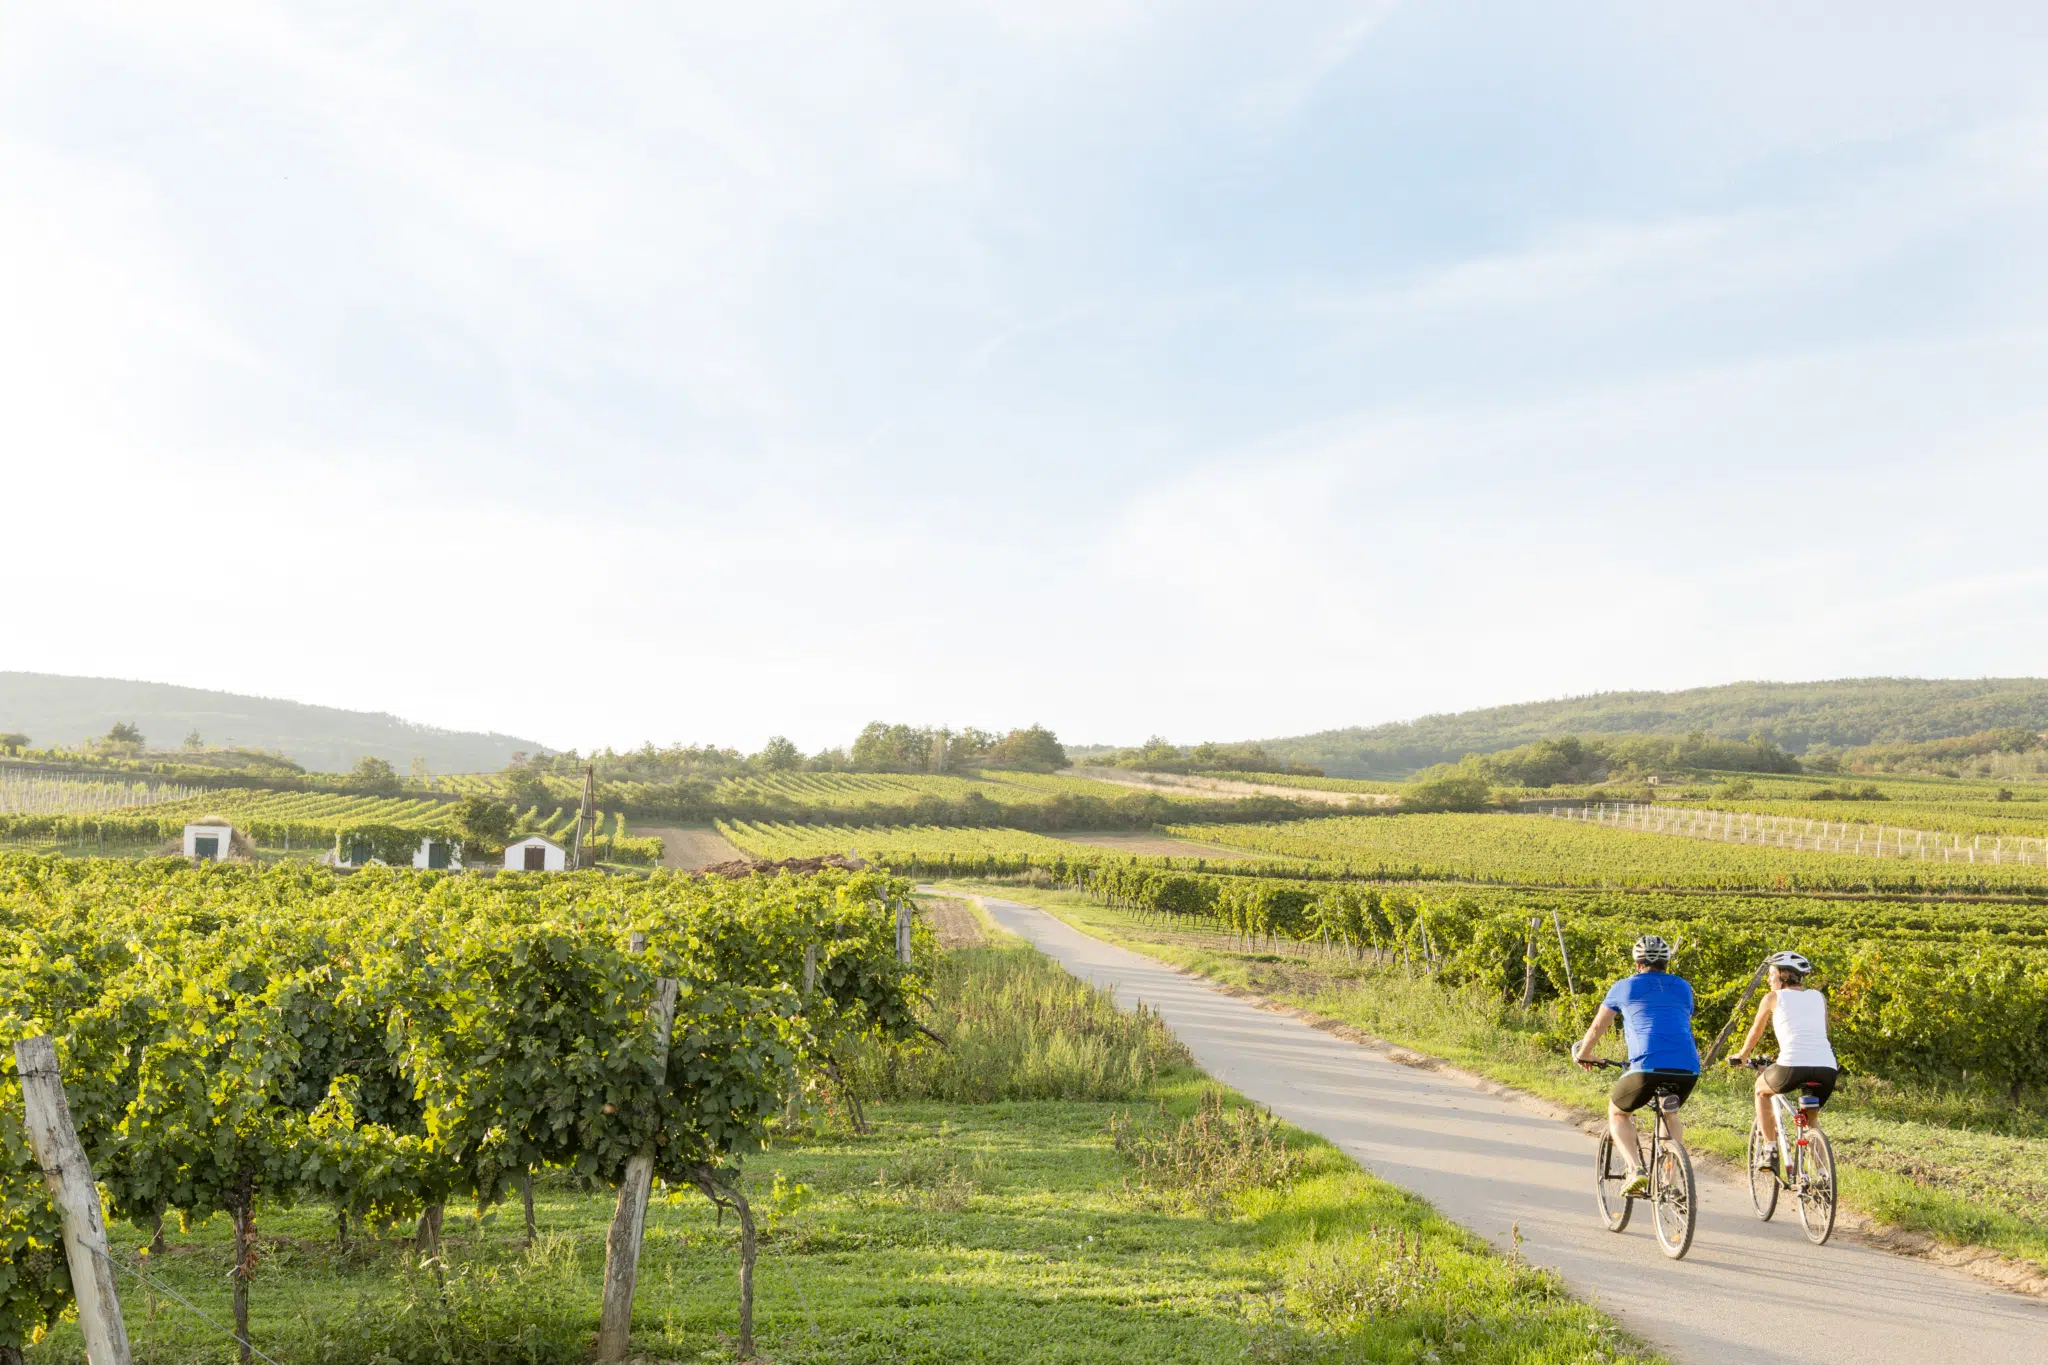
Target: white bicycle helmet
{"points": [[1790, 961], [1651, 948]]}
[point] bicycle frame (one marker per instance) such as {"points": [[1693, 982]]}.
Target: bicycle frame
{"points": [[1660, 1131], [1792, 1116], [1672, 1196]]}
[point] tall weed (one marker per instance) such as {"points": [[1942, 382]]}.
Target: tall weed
{"points": [[1016, 1026], [1208, 1159]]}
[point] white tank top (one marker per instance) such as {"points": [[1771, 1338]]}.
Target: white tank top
{"points": [[1800, 1019]]}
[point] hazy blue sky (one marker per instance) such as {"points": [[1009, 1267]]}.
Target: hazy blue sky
{"points": [[611, 372]]}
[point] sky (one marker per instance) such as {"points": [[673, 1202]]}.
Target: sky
{"points": [[602, 374]]}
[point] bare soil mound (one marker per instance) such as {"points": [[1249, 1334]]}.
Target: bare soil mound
{"points": [[749, 867]]}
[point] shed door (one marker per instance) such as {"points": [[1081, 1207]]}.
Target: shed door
{"points": [[536, 858], [206, 846], [437, 854]]}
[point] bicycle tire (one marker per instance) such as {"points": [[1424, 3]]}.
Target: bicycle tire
{"points": [[1816, 1188], [1674, 1200], [1763, 1185], [1607, 1187]]}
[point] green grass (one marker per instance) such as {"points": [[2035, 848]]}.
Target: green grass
{"points": [[1013, 1232], [1965, 1168]]}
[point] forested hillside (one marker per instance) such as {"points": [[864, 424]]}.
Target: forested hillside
{"points": [[55, 711], [1846, 712]]}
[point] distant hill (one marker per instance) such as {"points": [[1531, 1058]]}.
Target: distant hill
{"points": [[1846, 712], [61, 712]]}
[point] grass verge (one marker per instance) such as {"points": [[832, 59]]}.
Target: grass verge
{"points": [[1966, 1171]]}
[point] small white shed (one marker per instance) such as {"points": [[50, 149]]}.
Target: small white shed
{"points": [[535, 854], [209, 842], [438, 853]]}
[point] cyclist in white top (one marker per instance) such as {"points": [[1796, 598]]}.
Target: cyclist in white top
{"points": [[1799, 1017]]}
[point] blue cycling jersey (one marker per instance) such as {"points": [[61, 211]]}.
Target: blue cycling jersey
{"points": [[1656, 1018]]}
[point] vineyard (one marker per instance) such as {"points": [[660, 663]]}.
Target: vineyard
{"points": [[1532, 851], [1941, 993], [1945, 989], [312, 822], [1773, 788], [1040, 801], [390, 1042], [820, 791], [1998, 819], [1862, 838], [28, 793], [892, 845]]}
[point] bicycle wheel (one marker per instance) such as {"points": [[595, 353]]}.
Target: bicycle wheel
{"points": [[1607, 1184], [1816, 1188], [1763, 1185], [1674, 1201]]}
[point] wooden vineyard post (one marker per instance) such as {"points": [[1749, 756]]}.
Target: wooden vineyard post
{"points": [[903, 932], [1721, 1038], [68, 1177], [1564, 953], [629, 1222], [793, 1110], [1529, 966]]}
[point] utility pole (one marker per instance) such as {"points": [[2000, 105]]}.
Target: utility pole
{"points": [[583, 811]]}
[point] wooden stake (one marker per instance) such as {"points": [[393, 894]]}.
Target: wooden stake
{"points": [[1529, 966], [68, 1177], [1721, 1038], [629, 1221]]}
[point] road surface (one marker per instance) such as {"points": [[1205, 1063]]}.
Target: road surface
{"points": [[1749, 1293]]}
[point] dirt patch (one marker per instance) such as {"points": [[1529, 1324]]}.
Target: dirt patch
{"points": [[690, 847], [751, 867], [954, 922], [1158, 846], [1224, 789]]}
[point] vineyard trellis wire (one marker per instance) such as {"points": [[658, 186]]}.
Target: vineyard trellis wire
{"points": [[1828, 836], [34, 794]]}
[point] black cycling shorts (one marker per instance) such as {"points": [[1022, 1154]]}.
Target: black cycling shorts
{"points": [[1635, 1088], [1783, 1080]]}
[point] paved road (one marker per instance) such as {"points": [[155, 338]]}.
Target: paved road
{"points": [[1749, 1293]]}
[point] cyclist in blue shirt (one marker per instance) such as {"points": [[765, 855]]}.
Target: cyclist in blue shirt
{"points": [[1655, 1009]]}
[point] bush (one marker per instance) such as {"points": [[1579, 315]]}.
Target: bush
{"points": [[1458, 790]]}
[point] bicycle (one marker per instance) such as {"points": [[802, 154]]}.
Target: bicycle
{"points": [[1674, 1201], [1806, 1166]]}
